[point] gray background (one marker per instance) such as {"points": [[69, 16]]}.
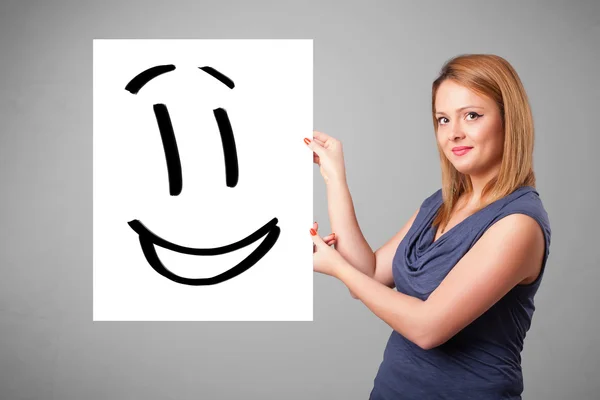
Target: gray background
{"points": [[373, 67]]}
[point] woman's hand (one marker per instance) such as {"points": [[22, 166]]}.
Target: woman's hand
{"points": [[329, 239], [328, 155], [325, 258]]}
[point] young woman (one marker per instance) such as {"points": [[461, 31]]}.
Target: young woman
{"points": [[467, 264]]}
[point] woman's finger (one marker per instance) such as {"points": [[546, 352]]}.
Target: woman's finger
{"points": [[319, 142], [328, 242], [320, 136]]}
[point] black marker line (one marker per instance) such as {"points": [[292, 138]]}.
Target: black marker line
{"points": [[170, 146], [216, 74], [148, 241], [229, 150], [150, 236], [258, 253], [146, 76]]}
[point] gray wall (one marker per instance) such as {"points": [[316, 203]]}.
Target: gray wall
{"points": [[374, 64]]}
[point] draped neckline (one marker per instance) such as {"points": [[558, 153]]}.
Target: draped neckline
{"points": [[421, 258], [432, 230], [434, 241]]}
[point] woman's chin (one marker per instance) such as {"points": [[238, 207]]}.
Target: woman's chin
{"points": [[471, 170], [464, 169]]}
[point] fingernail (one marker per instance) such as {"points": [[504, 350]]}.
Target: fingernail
{"points": [[306, 140], [333, 234], [313, 232]]}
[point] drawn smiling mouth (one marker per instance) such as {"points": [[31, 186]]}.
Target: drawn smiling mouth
{"points": [[149, 240]]}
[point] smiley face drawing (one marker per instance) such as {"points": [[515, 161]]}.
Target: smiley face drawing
{"points": [[149, 240]]}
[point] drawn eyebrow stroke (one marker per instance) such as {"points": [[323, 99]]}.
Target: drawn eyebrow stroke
{"points": [[217, 75], [146, 76]]}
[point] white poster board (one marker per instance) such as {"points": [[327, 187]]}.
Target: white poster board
{"points": [[202, 184]]}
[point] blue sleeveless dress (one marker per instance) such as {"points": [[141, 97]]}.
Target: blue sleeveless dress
{"points": [[483, 360]]}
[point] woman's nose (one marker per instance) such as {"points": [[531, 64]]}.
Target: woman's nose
{"points": [[455, 132]]}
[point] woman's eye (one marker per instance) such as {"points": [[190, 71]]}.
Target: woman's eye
{"points": [[475, 114], [440, 119]]}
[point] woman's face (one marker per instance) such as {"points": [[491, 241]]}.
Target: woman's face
{"points": [[466, 119]]}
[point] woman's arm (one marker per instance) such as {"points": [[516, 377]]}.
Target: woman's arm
{"points": [[351, 243], [509, 251]]}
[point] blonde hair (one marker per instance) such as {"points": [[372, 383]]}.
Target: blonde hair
{"points": [[491, 76]]}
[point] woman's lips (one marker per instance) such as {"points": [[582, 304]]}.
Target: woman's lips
{"points": [[460, 151]]}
